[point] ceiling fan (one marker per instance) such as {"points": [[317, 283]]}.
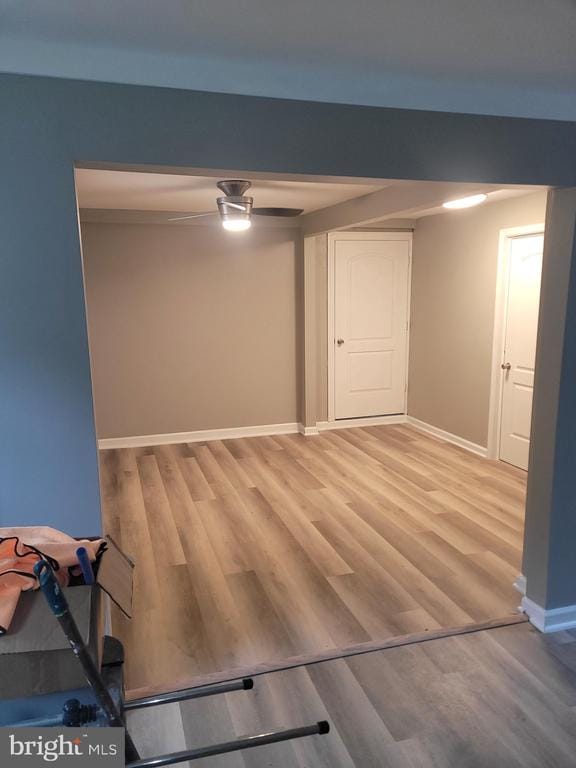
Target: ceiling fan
{"points": [[235, 209]]}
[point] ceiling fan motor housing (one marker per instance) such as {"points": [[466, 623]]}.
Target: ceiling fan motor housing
{"points": [[234, 187], [234, 190], [224, 208]]}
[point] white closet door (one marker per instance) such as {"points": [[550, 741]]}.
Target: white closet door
{"points": [[371, 327], [520, 348]]}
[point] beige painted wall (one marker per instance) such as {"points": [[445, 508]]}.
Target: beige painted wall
{"points": [[191, 327], [455, 257]]}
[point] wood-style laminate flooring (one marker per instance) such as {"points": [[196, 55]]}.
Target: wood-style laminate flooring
{"points": [[258, 550], [501, 698]]}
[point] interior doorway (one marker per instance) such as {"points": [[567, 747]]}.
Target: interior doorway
{"points": [[515, 329], [258, 542]]}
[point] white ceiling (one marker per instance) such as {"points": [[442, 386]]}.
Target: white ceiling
{"points": [[135, 191], [514, 57], [123, 193]]}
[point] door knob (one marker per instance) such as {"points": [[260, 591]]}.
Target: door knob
{"points": [[340, 342], [505, 366]]}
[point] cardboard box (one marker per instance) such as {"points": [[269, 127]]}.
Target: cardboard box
{"points": [[35, 657]]}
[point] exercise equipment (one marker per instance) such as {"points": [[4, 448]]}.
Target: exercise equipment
{"points": [[107, 689]]}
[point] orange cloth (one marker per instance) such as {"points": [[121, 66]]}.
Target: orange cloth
{"points": [[21, 548]]}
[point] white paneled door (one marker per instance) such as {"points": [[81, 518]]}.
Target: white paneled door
{"points": [[525, 268], [370, 325]]}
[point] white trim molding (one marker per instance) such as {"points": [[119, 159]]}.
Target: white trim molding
{"points": [[265, 430], [552, 620], [519, 584], [361, 421], [448, 437], [142, 441], [307, 431]]}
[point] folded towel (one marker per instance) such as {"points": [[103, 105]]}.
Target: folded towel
{"points": [[21, 548]]}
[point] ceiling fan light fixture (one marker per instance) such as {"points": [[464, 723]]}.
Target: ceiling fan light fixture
{"points": [[235, 212], [235, 207], [237, 223]]}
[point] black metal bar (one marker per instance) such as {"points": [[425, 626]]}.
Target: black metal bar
{"points": [[189, 693], [232, 746], [59, 607]]}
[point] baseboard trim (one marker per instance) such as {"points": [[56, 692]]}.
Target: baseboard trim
{"points": [[263, 430], [519, 583], [552, 620], [308, 430], [369, 421], [448, 437], [199, 436]]}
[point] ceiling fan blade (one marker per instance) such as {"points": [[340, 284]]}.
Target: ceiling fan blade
{"points": [[194, 216], [282, 212]]}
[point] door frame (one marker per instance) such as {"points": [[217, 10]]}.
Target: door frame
{"points": [[499, 337], [333, 237]]}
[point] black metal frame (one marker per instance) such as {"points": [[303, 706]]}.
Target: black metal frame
{"points": [[273, 737], [106, 684], [245, 684]]}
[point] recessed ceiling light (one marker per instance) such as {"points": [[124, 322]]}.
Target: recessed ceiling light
{"points": [[465, 202]]}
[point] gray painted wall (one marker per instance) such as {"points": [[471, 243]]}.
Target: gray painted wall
{"points": [[48, 469], [561, 574], [48, 461], [550, 538]]}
